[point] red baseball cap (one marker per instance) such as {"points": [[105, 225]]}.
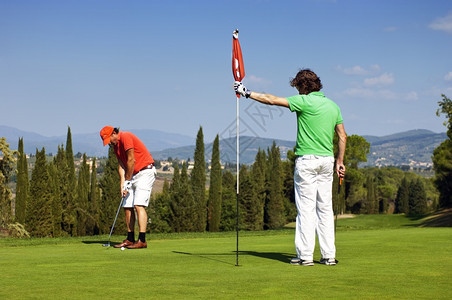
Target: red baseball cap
{"points": [[105, 134]]}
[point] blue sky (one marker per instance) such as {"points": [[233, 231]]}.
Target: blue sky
{"points": [[166, 65]]}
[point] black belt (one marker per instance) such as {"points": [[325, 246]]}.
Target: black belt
{"points": [[147, 167]]}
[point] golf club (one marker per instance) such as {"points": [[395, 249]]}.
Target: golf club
{"points": [[114, 222], [337, 202]]}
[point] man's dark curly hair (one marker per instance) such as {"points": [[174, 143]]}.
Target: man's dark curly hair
{"points": [[306, 82]]}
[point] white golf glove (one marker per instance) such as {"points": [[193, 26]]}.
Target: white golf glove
{"points": [[241, 89], [127, 185]]}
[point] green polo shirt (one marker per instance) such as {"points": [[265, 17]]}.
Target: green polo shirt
{"points": [[317, 116]]}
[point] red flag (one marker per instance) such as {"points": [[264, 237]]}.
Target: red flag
{"points": [[238, 69]]}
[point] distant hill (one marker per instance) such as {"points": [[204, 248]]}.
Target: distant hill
{"points": [[90, 143], [414, 147], [248, 149]]}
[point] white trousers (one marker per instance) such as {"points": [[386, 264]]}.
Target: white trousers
{"points": [[313, 182]]}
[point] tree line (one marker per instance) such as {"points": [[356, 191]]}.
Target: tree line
{"points": [[58, 201], [266, 197], [264, 200]]}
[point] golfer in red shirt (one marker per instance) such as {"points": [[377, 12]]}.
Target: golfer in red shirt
{"points": [[137, 173]]}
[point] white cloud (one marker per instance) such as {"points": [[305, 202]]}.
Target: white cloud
{"points": [[378, 95], [411, 96], [255, 79], [448, 76], [442, 24], [375, 88], [359, 93], [358, 70], [435, 92], [382, 80], [387, 95], [255, 82], [374, 69]]}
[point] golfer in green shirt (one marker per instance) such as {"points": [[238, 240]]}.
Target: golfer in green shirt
{"points": [[317, 118]]}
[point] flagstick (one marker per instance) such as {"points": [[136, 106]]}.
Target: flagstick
{"points": [[238, 182], [238, 72]]}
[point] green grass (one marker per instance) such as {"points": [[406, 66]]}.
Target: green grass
{"points": [[380, 257]]}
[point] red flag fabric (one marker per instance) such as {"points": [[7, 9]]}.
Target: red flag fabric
{"points": [[238, 69]]}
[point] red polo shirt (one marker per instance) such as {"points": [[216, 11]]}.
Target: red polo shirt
{"points": [[128, 140]]}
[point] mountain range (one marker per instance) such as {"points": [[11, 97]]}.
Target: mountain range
{"points": [[411, 148], [90, 143], [414, 147]]}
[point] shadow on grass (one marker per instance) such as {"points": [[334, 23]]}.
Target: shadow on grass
{"points": [[100, 243], [442, 218], [282, 257], [416, 217], [415, 220], [209, 256]]}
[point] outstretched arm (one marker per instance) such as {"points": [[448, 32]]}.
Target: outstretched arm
{"points": [[260, 97], [269, 99]]}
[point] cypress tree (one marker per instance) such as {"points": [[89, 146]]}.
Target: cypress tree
{"points": [[92, 226], [160, 213], [110, 184], [275, 203], [186, 195], [22, 184], [371, 206], [249, 203], [403, 197], [63, 189], [39, 210], [177, 211], [228, 202], [57, 208], [258, 174], [6, 168], [215, 188], [418, 197], [288, 186], [70, 156], [81, 209], [198, 184], [70, 213], [183, 206]]}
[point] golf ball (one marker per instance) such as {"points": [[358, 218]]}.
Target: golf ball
{"points": [[122, 248]]}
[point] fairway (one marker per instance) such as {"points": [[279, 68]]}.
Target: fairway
{"points": [[405, 262]]}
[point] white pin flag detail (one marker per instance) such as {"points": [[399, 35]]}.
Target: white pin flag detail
{"points": [[238, 69]]}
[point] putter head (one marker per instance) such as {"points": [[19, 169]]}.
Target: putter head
{"points": [[106, 245]]}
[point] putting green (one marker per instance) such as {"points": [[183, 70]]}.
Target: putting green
{"points": [[405, 262]]}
